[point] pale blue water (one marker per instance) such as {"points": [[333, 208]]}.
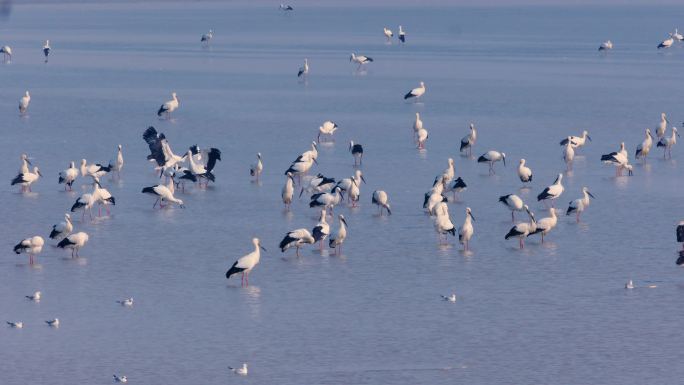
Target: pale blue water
{"points": [[551, 314]]}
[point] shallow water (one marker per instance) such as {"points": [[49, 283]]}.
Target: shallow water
{"points": [[555, 313]]}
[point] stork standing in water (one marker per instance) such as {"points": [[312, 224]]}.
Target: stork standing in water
{"points": [[25, 163], [246, 263], [328, 128], [31, 246], [492, 157], [416, 92], [579, 205], [360, 60], [667, 43], [296, 238], [327, 200], [204, 171], [523, 229], [402, 35], [169, 106], [667, 143], [545, 225], [417, 126], [74, 242], [442, 222], [357, 152], [62, 229], [524, 172], [68, 176], [513, 202], [606, 46], [337, 240], [422, 136], [321, 231], [288, 191], [85, 202], [381, 199], [468, 141], [388, 34], [568, 154], [303, 70], [24, 103], [206, 38], [465, 232], [644, 148], [619, 159], [576, 141], [256, 169], [163, 193], [662, 125], [6, 52], [27, 179], [102, 197], [46, 50], [551, 193], [116, 164]]}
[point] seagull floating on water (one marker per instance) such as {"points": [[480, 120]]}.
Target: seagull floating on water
{"points": [[243, 371], [31, 246]]}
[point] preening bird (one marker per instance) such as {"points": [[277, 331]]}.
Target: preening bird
{"points": [[62, 229], [524, 172], [94, 171], [31, 246], [416, 92], [246, 263], [579, 205], [381, 199], [25, 163], [68, 176], [328, 128], [521, 230], [296, 238], [169, 106]]}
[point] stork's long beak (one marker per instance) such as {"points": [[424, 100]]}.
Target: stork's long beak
{"points": [[471, 216], [591, 195], [504, 161], [344, 221], [262, 248], [589, 137], [301, 192], [363, 179]]}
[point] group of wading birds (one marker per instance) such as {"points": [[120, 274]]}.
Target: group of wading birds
{"points": [[196, 165]]}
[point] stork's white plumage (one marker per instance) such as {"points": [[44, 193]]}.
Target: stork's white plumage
{"points": [[169, 106], [579, 205], [62, 229], [68, 176], [524, 172], [296, 238], [74, 242], [304, 69], [85, 203], [25, 163], [321, 231], [337, 240], [422, 136], [246, 263], [545, 225], [513, 202], [360, 59], [568, 154], [662, 125], [243, 371], [94, 171], [644, 148], [468, 141], [328, 128], [327, 200], [24, 103], [388, 34], [523, 229], [416, 92], [116, 164], [288, 191], [492, 157], [381, 199], [667, 43], [31, 246], [442, 222], [163, 193], [6, 52], [102, 197], [466, 231], [618, 159], [25, 180], [356, 150], [256, 169], [576, 141], [676, 35], [35, 297], [552, 192], [667, 143]]}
